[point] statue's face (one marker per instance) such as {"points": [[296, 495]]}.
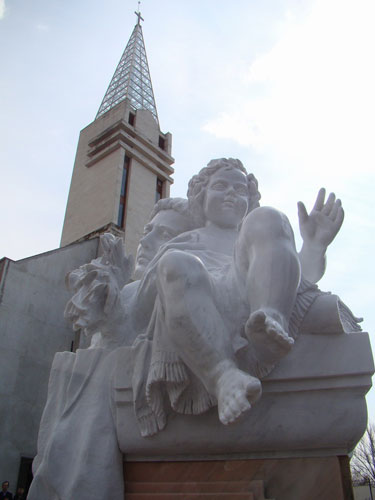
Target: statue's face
{"points": [[226, 197], [163, 227]]}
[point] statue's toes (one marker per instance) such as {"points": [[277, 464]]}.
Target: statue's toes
{"points": [[253, 390], [225, 415], [276, 333], [258, 319], [255, 325], [233, 409]]}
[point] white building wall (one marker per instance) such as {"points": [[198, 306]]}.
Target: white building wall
{"points": [[32, 329], [141, 199], [92, 193]]}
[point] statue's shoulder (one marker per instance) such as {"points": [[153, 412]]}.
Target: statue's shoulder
{"points": [[129, 290]]}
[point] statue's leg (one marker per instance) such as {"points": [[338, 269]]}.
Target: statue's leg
{"points": [[267, 264], [196, 331]]}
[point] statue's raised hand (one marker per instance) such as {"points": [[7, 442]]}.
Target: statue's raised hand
{"points": [[318, 229]]}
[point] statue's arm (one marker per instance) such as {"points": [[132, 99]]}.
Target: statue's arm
{"points": [[318, 229]]}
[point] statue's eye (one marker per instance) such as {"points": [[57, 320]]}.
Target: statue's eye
{"points": [[166, 234], [218, 186], [241, 189]]}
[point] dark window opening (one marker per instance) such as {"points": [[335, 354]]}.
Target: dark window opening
{"points": [[121, 215], [159, 190], [123, 192], [161, 142], [25, 475], [131, 118]]}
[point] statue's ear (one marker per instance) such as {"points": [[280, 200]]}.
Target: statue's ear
{"points": [[252, 180], [196, 204], [253, 191]]}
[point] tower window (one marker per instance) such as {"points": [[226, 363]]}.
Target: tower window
{"points": [[123, 192], [161, 142], [131, 119], [159, 190]]}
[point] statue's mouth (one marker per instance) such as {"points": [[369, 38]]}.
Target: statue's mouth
{"points": [[142, 259], [228, 203]]}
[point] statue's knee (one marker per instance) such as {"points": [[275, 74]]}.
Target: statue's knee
{"points": [[177, 266], [172, 265], [265, 223]]}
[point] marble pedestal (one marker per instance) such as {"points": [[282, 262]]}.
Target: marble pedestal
{"points": [[311, 415], [312, 411], [313, 404]]}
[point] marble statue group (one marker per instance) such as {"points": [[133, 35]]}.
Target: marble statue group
{"points": [[220, 295]]}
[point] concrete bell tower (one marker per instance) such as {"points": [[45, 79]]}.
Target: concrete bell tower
{"points": [[123, 161]]}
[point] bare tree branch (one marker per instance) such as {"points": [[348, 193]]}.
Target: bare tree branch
{"points": [[363, 460]]}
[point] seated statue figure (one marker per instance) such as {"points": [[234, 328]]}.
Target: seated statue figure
{"points": [[79, 395], [229, 285]]}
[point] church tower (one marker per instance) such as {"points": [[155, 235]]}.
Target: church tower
{"points": [[123, 161]]}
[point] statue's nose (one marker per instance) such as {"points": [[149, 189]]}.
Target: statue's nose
{"points": [[145, 240]]}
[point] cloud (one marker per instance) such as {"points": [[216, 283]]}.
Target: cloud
{"points": [[42, 27], [317, 101], [2, 9]]}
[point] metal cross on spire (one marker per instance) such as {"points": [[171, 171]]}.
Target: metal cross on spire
{"points": [[138, 14], [132, 77]]}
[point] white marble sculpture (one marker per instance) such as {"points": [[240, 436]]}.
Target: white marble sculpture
{"points": [[220, 297], [228, 285]]}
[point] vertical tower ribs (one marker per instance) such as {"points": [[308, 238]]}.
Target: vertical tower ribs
{"points": [[132, 77]]}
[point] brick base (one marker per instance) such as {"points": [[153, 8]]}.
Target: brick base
{"points": [[324, 478]]}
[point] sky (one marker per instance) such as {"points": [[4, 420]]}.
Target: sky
{"points": [[287, 86]]}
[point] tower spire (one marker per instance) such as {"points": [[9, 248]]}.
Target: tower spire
{"points": [[131, 79], [131, 157]]}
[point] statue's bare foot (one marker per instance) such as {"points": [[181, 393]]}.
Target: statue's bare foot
{"points": [[236, 390], [267, 333]]}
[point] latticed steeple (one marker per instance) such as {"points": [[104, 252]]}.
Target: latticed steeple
{"points": [[132, 77], [123, 161]]}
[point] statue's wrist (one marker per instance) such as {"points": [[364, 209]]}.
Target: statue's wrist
{"points": [[316, 249]]}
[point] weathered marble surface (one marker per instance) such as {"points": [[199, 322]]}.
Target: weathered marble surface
{"points": [[77, 445], [313, 404], [224, 325]]}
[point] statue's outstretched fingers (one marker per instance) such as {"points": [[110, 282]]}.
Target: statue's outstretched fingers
{"points": [[319, 202], [335, 209], [339, 219], [327, 208]]}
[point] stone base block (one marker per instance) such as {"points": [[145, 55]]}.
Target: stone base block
{"points": [[313, 405], [325, 478]]}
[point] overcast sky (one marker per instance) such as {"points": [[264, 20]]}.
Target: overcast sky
{"points": [[287, 86]]}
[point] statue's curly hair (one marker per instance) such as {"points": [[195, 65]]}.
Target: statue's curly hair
{"points": [[179, 205], [197, 187]]}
